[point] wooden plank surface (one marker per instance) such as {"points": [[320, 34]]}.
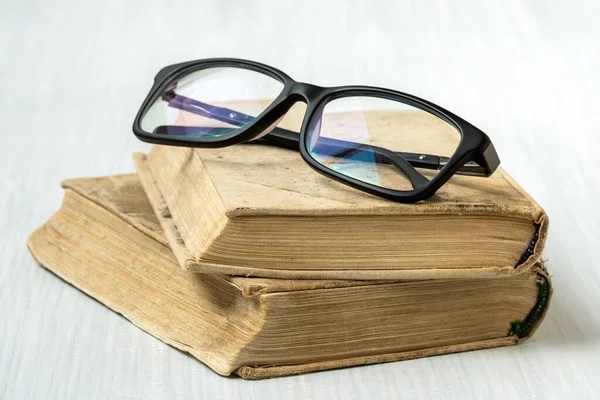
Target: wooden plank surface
{"points": [[72, 75]]}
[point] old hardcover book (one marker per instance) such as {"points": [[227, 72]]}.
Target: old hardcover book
{"points": [[262, 211], [106, 241]]}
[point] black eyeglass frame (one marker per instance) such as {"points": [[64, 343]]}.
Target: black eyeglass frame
{"points": [[475, 154]]}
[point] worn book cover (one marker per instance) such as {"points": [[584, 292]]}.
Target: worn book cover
{"points": [[107, 241], [262, 211]]}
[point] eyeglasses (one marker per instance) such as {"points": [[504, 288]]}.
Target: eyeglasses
{"points": [[387, 143]]}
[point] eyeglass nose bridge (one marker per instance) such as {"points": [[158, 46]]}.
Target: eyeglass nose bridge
{"points": [[305, 91], [297, 92]]}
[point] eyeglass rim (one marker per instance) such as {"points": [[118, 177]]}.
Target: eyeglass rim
{"points": [[474, 146]]}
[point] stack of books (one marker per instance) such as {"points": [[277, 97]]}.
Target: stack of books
{"points": [[256, 265]]}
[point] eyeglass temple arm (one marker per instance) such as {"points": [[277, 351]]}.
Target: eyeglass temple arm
{"points": [[289, 139], [282, 137]]}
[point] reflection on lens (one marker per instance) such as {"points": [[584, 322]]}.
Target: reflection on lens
{"points": [[211, 103], [381, 142]]}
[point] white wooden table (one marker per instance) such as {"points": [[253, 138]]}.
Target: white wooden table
{"points": [[72, 75]]}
